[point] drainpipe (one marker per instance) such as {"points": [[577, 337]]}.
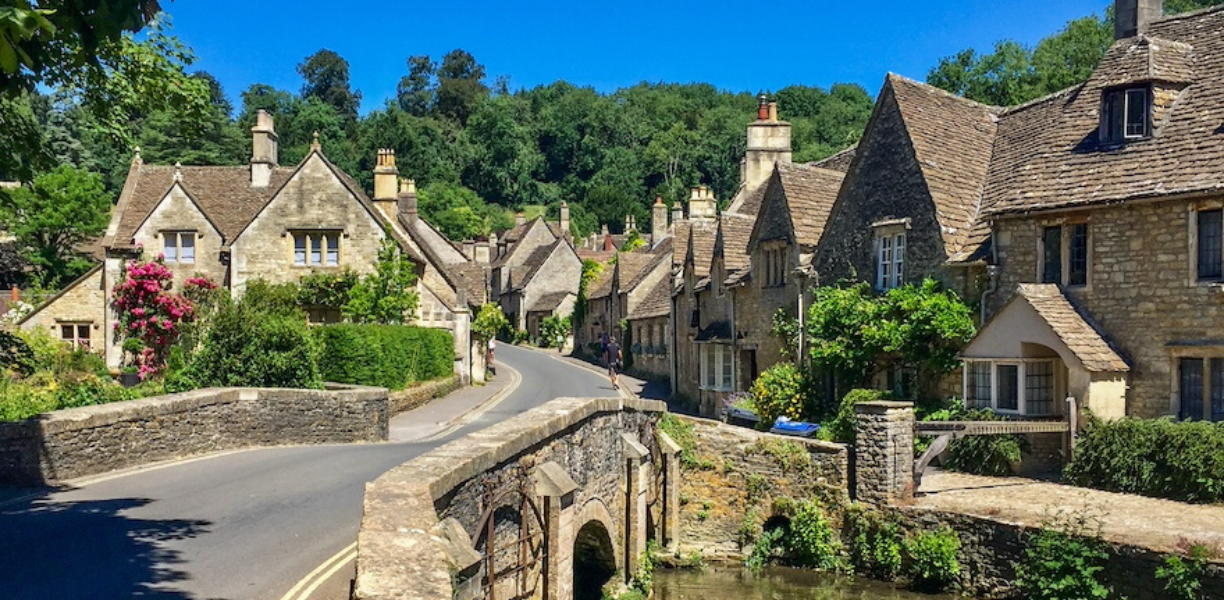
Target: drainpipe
{"points": [[992, 285]]}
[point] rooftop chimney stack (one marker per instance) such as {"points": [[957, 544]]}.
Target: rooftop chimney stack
{"points": [[469, 249], [769, 143], [677, 213], [483, 251], [407, 201], [386, 175], [565, 220], [493, 252], [658, 221], [702, 204], [264, 149], [1133, 17], [520, 218]]}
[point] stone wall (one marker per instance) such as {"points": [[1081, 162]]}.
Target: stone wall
{"points": [[177, 212], [417, 395], [1141, 290], [738, 476], [884, 452], [77, 442]]}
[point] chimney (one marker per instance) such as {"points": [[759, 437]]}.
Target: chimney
{"points": [[702, 205], [762, 107], [469, 249], [264, 152], [1132, 17], [565, 220], [15, 295], [493, 252], [483, 250], [594, 241], [658, 221], [677, 213], [385, 178], [407, 201], [519, 218], [769, 143]]}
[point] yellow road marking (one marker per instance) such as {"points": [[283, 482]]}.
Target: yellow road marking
{"points": [[312, 580], [516, 378]]}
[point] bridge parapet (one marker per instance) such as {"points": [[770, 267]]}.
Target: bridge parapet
{"points": [[506, 512]]}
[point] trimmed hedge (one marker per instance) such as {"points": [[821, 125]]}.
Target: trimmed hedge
{"points": [[390, 356], [1160, 458]]}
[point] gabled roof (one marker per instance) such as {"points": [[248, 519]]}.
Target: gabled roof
{"points": [[952, 140], [838, 162], [734, 232], [1049, 156], [629, 265], [549, 302], [601, 287], [656, 303], [532, 264], [810, 194], [660, 257], [699, 247]]}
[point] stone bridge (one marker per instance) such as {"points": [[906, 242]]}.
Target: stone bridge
{"points": [[550, 504]]}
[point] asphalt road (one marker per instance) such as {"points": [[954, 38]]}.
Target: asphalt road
{"points": [[236, 526]]}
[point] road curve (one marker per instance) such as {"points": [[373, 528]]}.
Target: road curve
{"points": [[238, 526]]}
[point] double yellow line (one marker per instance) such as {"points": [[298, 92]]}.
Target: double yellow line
{"points": [[311, 582]]}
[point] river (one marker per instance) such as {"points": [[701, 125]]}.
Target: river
{"points": [[774, 583]]}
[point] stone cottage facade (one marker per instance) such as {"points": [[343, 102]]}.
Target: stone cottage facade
{"points": [[265, 221], [535, 271]]}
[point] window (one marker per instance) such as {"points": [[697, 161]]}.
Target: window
{"points": [[1027, 386], [1064, 255], [179, 246], [890, 260], [775, 265], [1124, 115], [1210, 249], [1200, 390], [76, 334], [316, 248], [716, 368]]}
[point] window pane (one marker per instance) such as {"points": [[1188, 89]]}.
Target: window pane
{"points": [[316, 249], [898, 259], [1136, 113], [170, 247], [67, 333], [83, 336], [333, 249], [1051, 252], [1009, 387], [299, 249], [188, 251], [1039, 388], [1209, 244], [1078, 260], [1114, 113], [884, 275], [727, 375], [1217, 389], [1190, 380], [977, 392]]}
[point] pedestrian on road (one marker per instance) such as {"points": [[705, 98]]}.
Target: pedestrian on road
{"points": [[492, 347], [614, 361]]}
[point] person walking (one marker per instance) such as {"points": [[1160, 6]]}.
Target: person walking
{"points": [[614, 357], [492, 347]]}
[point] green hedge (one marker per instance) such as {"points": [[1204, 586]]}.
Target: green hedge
{"points": [[1161, 458], [390, 356]]}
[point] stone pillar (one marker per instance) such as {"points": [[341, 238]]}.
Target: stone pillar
{"points": [[463, 342], [556, 488], [637, 470], [884, 452], [670, 494]]}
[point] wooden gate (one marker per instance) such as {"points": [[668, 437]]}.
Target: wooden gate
{"points": [[946, 431], [526, 552]]}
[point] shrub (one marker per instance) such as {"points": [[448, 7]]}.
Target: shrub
{"points": [[390, 356], [1183, 576], [1064, 560], [932, 559], [554, 329], [875, 544], [681, 432], [256, 342], [150, 318], [779, 392], [1161, 458], [841, 428], [15, 354], [43, 393], [812, 541]]}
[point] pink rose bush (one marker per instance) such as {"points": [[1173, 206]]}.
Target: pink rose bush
{"points": [[150, 316]]}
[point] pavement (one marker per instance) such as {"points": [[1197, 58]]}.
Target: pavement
{"points": [[260, 524]]}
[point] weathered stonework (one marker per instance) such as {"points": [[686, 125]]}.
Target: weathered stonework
{"points": [[418, 395], [884, 452], [84, 303], [77, 442]]}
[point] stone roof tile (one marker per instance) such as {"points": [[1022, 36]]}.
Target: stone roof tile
{"points": [[1080, 336]]}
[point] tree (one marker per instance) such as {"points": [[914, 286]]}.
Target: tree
{"points": [[489, 320], [151, 318], [388, 295], [326, 77], [460, 85], [53, 217], [415, 93], [215, 140]]}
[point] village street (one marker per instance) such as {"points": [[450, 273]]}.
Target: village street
{"points": [[241, 525]]}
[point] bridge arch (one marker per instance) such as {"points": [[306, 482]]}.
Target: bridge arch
{"points": [[594, 560]]}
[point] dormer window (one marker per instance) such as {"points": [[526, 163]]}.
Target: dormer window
{"points": [[1125, 114]]}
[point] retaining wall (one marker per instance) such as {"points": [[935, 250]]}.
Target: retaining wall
{"points": [[77, 442], [413, 397]]}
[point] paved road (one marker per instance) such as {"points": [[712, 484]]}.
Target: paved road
{"points": [[238, 526]]}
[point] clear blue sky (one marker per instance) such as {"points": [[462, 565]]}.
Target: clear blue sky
{"points": [[735, 45]]}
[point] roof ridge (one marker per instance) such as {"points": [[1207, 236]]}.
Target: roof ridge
{"points": [[1189, 15], [929, 87], [1010, 110]]}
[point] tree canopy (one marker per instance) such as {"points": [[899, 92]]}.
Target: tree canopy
{"points": [[53, 217]]}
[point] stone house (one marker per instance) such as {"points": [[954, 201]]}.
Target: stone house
{"points": [[1105, 203], [236, 224], [534, 267]]}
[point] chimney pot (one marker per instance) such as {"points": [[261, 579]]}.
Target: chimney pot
{"points": [[15, 295], [406, 202], [773, 111], [762, 107]]}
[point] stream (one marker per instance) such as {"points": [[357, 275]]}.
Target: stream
{"points": [[774, 583]]}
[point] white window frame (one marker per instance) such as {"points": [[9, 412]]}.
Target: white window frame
{"points": [[75, 340], [1126, 114], [1022, 383], [174, 240], [320, 248], [890, 249], [717, 365]]}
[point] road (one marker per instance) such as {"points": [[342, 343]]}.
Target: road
{"points": [[237, 526]]}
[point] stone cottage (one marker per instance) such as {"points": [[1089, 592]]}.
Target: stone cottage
{"points": [[265, 221], [535, 271]]}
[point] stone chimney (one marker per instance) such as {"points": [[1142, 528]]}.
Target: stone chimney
{"points": [[406, 203], [565, 220], [493, 251], [1133, 17], [469, 249], [385, 178], [769, 143], [658, 221], [702, 204], [520, 218], [264, 150], [677, 213], [483, 251]]}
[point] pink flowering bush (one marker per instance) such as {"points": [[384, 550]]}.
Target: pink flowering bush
{"points": [[151, 318]]}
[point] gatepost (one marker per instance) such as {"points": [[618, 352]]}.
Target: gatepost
{"points": [[884, 452], [670, 517], [557, 489]]}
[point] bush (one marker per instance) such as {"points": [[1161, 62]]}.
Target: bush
{"points": [[257, 342], [1183, 576], [875, 544], [812, 541], [779, 392], [1161, 458], [932, 559], [390, 356], [1064, 560], [15, 354], [841, 427], [681, 432], [43, 393]]}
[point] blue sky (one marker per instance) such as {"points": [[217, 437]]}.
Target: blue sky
{"points": [[734, 45]]}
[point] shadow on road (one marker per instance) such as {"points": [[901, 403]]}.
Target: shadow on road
{"points": [[77, 550]]}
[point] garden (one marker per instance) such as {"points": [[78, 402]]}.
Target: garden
{"points": [[177, 340]]}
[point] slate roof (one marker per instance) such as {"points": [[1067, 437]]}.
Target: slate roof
{"points": [[735, 232], [601, 287], [718, 330], [660, 257], [656, 303], [952, 139], [703, 235], [837, 162], [549, 302], [1048, 154], [630, 265], [1080, 336], [523, 274], [223, 194], [810, 194], [751, 203]]}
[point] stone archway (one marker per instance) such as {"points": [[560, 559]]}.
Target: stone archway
{"points": [[594, 560]]}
